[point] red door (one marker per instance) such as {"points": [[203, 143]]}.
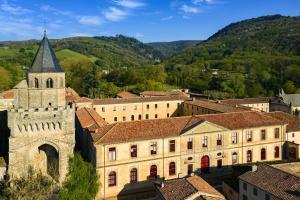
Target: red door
{"points": [[153, 172], [205, 164]]}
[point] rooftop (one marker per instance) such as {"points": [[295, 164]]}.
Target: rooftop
{"points": [[127, 95], [292, 168], [71, 95], [282, 185], [182, 188], [163, 93], [9, 94], [175, 126], [246, 101], [292, 121], [217, 106], [136, 100], [45, 59]]}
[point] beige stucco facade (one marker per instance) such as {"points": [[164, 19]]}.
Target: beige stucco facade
{"points": [[182, 156]]}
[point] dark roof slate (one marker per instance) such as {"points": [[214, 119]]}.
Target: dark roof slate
{"points": [[45, 59]]}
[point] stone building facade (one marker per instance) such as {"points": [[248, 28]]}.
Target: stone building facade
{"points": [[41, 123]]}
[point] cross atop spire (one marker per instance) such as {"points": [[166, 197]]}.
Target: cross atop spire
{"points": [[45, 59]]}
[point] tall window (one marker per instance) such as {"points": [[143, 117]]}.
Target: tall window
{"points": [[219, 163], [148, 106], [172, 169], [132, 117], [219, 139], [153, 149], [115, 119], [234, 158], [36, 83], [263, 154], [133, 151], [112, 153], [103, 109], [155, 106], [263, 134], [153, 172], [147, 116], [234, 138], [190, 169], [276, 133], [168, 105], [276, 153], [156, 116], [112, 179], [249, 156], [140, 117], [172, 146], [249, 136], [133, 175], [49, 83], [205, 141], [190, 144]]}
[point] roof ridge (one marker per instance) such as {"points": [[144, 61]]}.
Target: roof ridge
{"points": [[112, 126]]}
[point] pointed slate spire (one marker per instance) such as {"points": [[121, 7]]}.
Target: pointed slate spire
{"points": [[45, 59]]}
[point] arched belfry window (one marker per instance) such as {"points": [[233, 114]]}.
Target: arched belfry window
{"points": [[36, 83], [49, 83]]}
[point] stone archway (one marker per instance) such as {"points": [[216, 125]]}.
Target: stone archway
{"points": [[49, 158]]}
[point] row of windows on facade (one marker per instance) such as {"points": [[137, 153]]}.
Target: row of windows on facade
{"points": [[132, 117], [172, 148], [263, 134], [112, 177], [49, 83], [135, 107], [254, 192]]}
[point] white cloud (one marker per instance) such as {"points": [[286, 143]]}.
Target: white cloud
{"points": [[129, 3], [167, 18], [114, 14], [55, 11], [13, 9], [189, 9], [90, 20]]}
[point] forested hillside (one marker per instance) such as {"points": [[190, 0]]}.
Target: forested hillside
{"points": [[248, 58], [171, 48]]}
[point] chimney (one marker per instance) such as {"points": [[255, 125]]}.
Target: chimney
{"points": [[254, 168]]}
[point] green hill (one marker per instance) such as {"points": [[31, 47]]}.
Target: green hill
{"points": [[171, 48], [260, 55]]}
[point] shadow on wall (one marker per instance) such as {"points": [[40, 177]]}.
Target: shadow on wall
{"points": [[4, 135]]}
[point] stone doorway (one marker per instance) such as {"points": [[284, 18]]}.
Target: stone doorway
{"points": [[49, 160]]}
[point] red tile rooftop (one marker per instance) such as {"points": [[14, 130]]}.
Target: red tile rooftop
{"points": [[127, 95], [246, 101], [9, 94]]}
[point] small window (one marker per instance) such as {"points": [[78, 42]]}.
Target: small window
{"points": [[114, 108], [36, 83], [112, 179], [245, 186], [147, 116], [234, 138], [168, 105], [153, 149], [156, 116], [205, 141], [168, 115], [190, 144], [115, 119], [276, 153], [155, 106], [219, 140], [132, 117], [148, 106], [277, 133], [249, 136], [219, 163], [190, 169], [112, 153], [172, 146], [133, 175], [103, 109], [234, 158], [133, 151], [263, 134], [140, 117], [49, 83], [124, 107], [135, 107], [124, 118], [263, 154], [249, 156], [255, 191]]}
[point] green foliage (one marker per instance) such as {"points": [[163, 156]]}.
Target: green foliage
{"points": [[32, 186], [289, 87], [82, 182], [235, 85], [149, 85], [5, 80]]}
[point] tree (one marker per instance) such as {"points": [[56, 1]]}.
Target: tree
{"points": [[5, 80], [235, 85], [31, 186], [289, 87], [82, 182]]}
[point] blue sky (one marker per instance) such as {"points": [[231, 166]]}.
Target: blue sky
{"points": [[147, 20]]}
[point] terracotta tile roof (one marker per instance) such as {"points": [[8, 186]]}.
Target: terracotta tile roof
{"points": [[125, 94], [71, 95], [246, 101], [202, 186], [9, 94], [282, 184], [136, 100], [159, 128], [84, 100], [218, 107], [292, 121], [182, 188], [90, 119], [162, 93]]}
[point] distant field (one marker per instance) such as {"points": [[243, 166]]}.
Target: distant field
{"points": [[67, 53]]}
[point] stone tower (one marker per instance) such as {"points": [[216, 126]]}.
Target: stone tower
{"points": [[42, 126]]}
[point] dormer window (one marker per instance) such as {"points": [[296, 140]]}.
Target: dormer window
{"points": [[36, 83], [49, 83]]}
